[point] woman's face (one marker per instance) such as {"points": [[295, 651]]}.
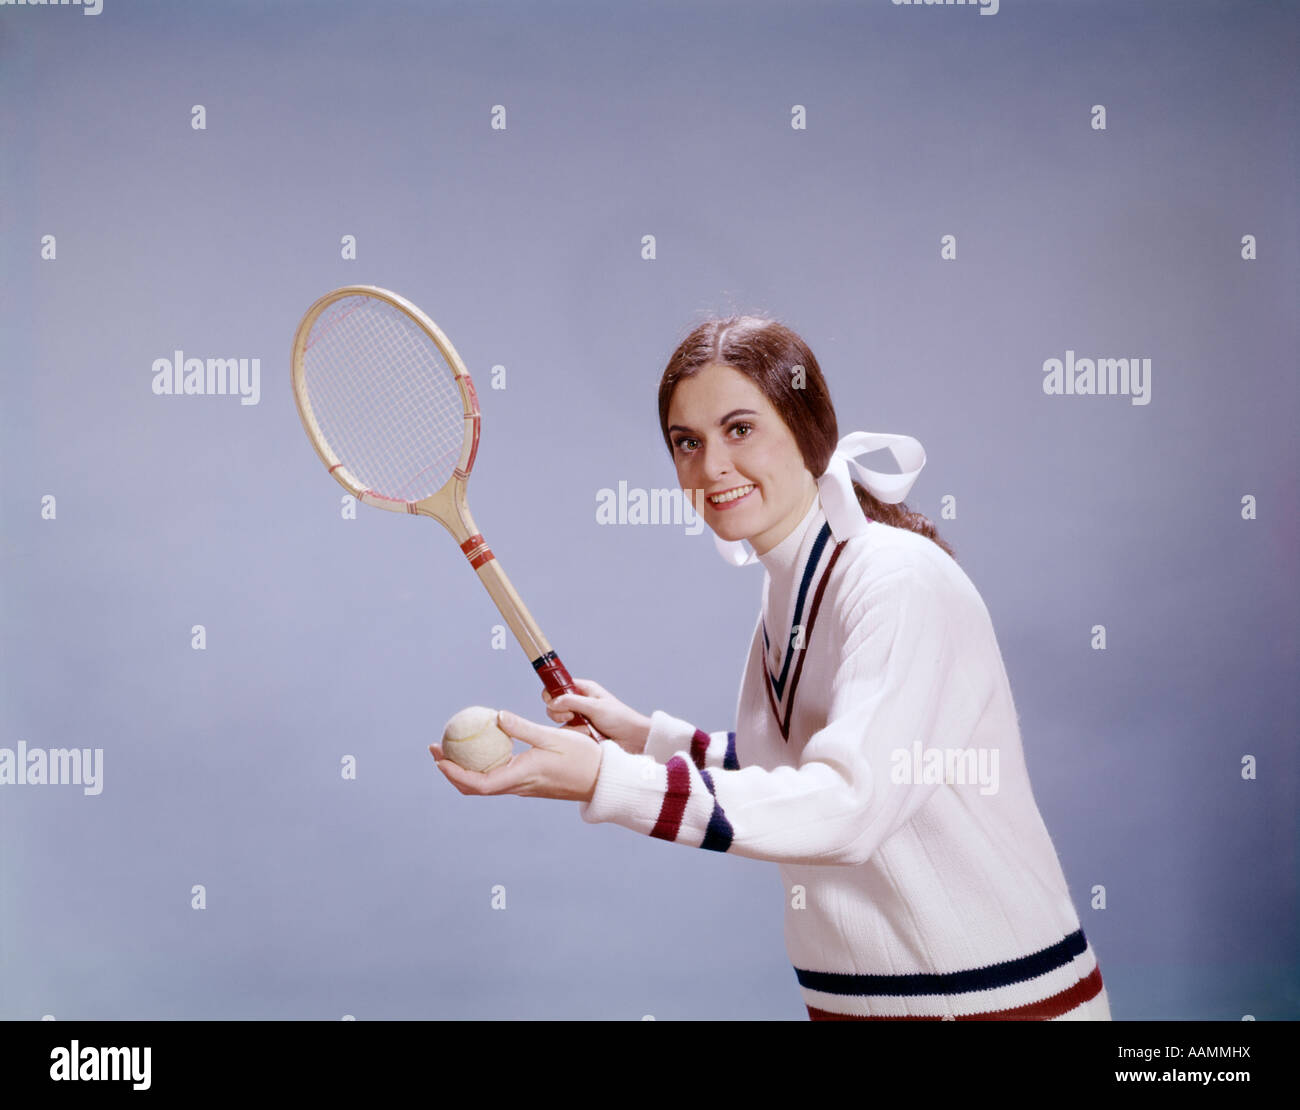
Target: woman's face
{"points": [[732, 445]]}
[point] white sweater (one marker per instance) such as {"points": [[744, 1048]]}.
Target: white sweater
{"points": [[880, 766]]}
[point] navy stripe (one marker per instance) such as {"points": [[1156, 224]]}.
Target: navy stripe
{"points": [[729, 761], [813, 559], [784, 723], [951, 982], [719, 834]]}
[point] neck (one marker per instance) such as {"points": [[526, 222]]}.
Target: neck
{"points": [[780, 560], [773, 539]]}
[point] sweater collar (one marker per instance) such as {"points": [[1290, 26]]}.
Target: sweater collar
{"points": [[780, 561]]}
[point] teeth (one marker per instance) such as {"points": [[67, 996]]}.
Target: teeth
{"points": [[730, 495]]}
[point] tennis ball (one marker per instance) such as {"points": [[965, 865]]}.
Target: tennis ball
{"points": [[472, 740]]}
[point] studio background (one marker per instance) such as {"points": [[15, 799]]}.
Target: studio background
{"points": [[1170, 523]]}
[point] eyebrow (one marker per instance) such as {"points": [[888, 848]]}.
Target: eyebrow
{"points": [[723, 420]]}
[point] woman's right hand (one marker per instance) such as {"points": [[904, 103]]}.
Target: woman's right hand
{"points": [[622, 724]]}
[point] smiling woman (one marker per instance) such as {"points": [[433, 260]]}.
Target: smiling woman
{"points": [[745, 463], [874, 690], [772, 370]]}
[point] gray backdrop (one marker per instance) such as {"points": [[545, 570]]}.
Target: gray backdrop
{"points": [[1172, 523]]}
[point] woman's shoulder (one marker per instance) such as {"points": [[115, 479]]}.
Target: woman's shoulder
{"points": [[883, 560]]}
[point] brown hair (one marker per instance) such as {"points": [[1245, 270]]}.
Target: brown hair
{"points": [[769, 354]]}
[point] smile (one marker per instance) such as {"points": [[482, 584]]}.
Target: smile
{"points": [[728, 496]]}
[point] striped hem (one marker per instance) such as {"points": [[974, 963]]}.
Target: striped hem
{"points": [[1085, 990], [1042, 986]]}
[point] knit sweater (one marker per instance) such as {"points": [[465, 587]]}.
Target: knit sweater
{"points": [[876, 758]]}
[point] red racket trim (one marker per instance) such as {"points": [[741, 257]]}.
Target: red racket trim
{"points": [[477, 551], [555, 677], [379, 501], [471, 417]]}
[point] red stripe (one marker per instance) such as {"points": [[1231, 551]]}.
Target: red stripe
{"points": [[699, 746], [1063, 1002], [807, 635], [675, 798], [473, 396], [408, 505], [771, 699], [477, 551], [473, 444]]}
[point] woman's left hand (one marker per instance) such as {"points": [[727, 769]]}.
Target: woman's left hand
{"points": [[561, 763]]}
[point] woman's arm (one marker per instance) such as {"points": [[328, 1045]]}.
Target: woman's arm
{"points": [[659, 736], [668, 736], [899, 680]]}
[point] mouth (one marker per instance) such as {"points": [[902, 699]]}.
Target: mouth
{"points": [[727, 498]]}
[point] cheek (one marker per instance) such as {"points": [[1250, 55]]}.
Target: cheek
{"points": [[761, 466]]}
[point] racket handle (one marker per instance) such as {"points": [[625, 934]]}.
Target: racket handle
{"points": [[557, 680]]}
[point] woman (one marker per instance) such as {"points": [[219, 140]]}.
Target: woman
{"points": [[876, 756]]}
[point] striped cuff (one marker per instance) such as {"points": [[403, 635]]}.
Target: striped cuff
{"points": [[629, 789], [673, 801], [668, 736]]}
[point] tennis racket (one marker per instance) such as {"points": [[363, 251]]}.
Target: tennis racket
{"points": [[391, 411]]}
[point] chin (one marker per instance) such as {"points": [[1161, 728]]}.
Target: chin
{"points": [[730, 535], [731, 531]]}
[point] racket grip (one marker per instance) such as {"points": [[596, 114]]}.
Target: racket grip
{"points": [[557, 680]]}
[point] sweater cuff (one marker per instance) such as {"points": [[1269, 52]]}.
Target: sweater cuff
{"points": [[629, 789], [668, 736]]}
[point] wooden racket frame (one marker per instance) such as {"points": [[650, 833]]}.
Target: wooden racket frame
{"points": [[449, 506]]}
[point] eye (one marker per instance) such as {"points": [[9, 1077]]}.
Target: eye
{"points": [[742, 429], [686, 443]]}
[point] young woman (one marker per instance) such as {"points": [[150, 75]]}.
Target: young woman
{"points": [[876, 755]]}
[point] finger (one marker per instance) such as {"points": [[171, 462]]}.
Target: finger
{"points": [[500, 780], [590, 689], [456, 775], [450, 770], [519, 728], [575, 703]]}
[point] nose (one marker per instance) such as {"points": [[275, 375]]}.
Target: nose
{"points": [[716, 459]]}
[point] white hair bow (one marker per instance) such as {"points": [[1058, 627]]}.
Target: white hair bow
{"points": [[835, 487]]}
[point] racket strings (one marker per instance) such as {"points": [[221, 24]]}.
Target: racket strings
{"points": [[384, 397]]}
